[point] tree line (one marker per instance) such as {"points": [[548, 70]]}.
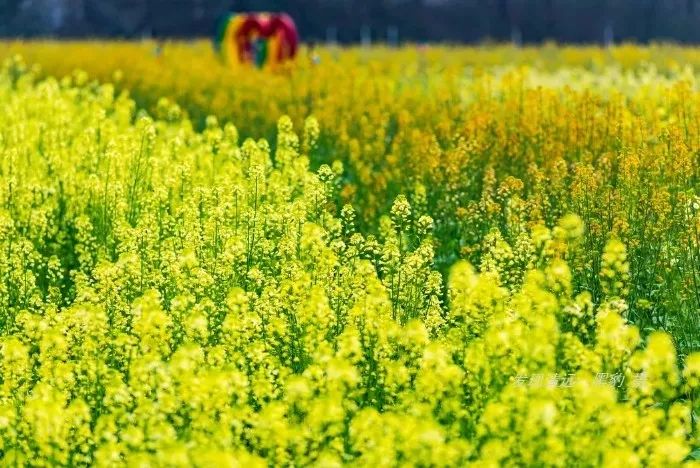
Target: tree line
{"points": [[348, 21]]}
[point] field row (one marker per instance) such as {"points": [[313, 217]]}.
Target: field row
{"points": [[386, 258]]}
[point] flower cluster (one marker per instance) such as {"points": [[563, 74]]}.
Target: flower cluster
{"points": [[180, 298]]}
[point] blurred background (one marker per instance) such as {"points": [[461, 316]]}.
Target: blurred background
{"points": [[352, 21]]}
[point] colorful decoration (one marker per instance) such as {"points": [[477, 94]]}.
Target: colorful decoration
{"points": [[261, 39]]}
